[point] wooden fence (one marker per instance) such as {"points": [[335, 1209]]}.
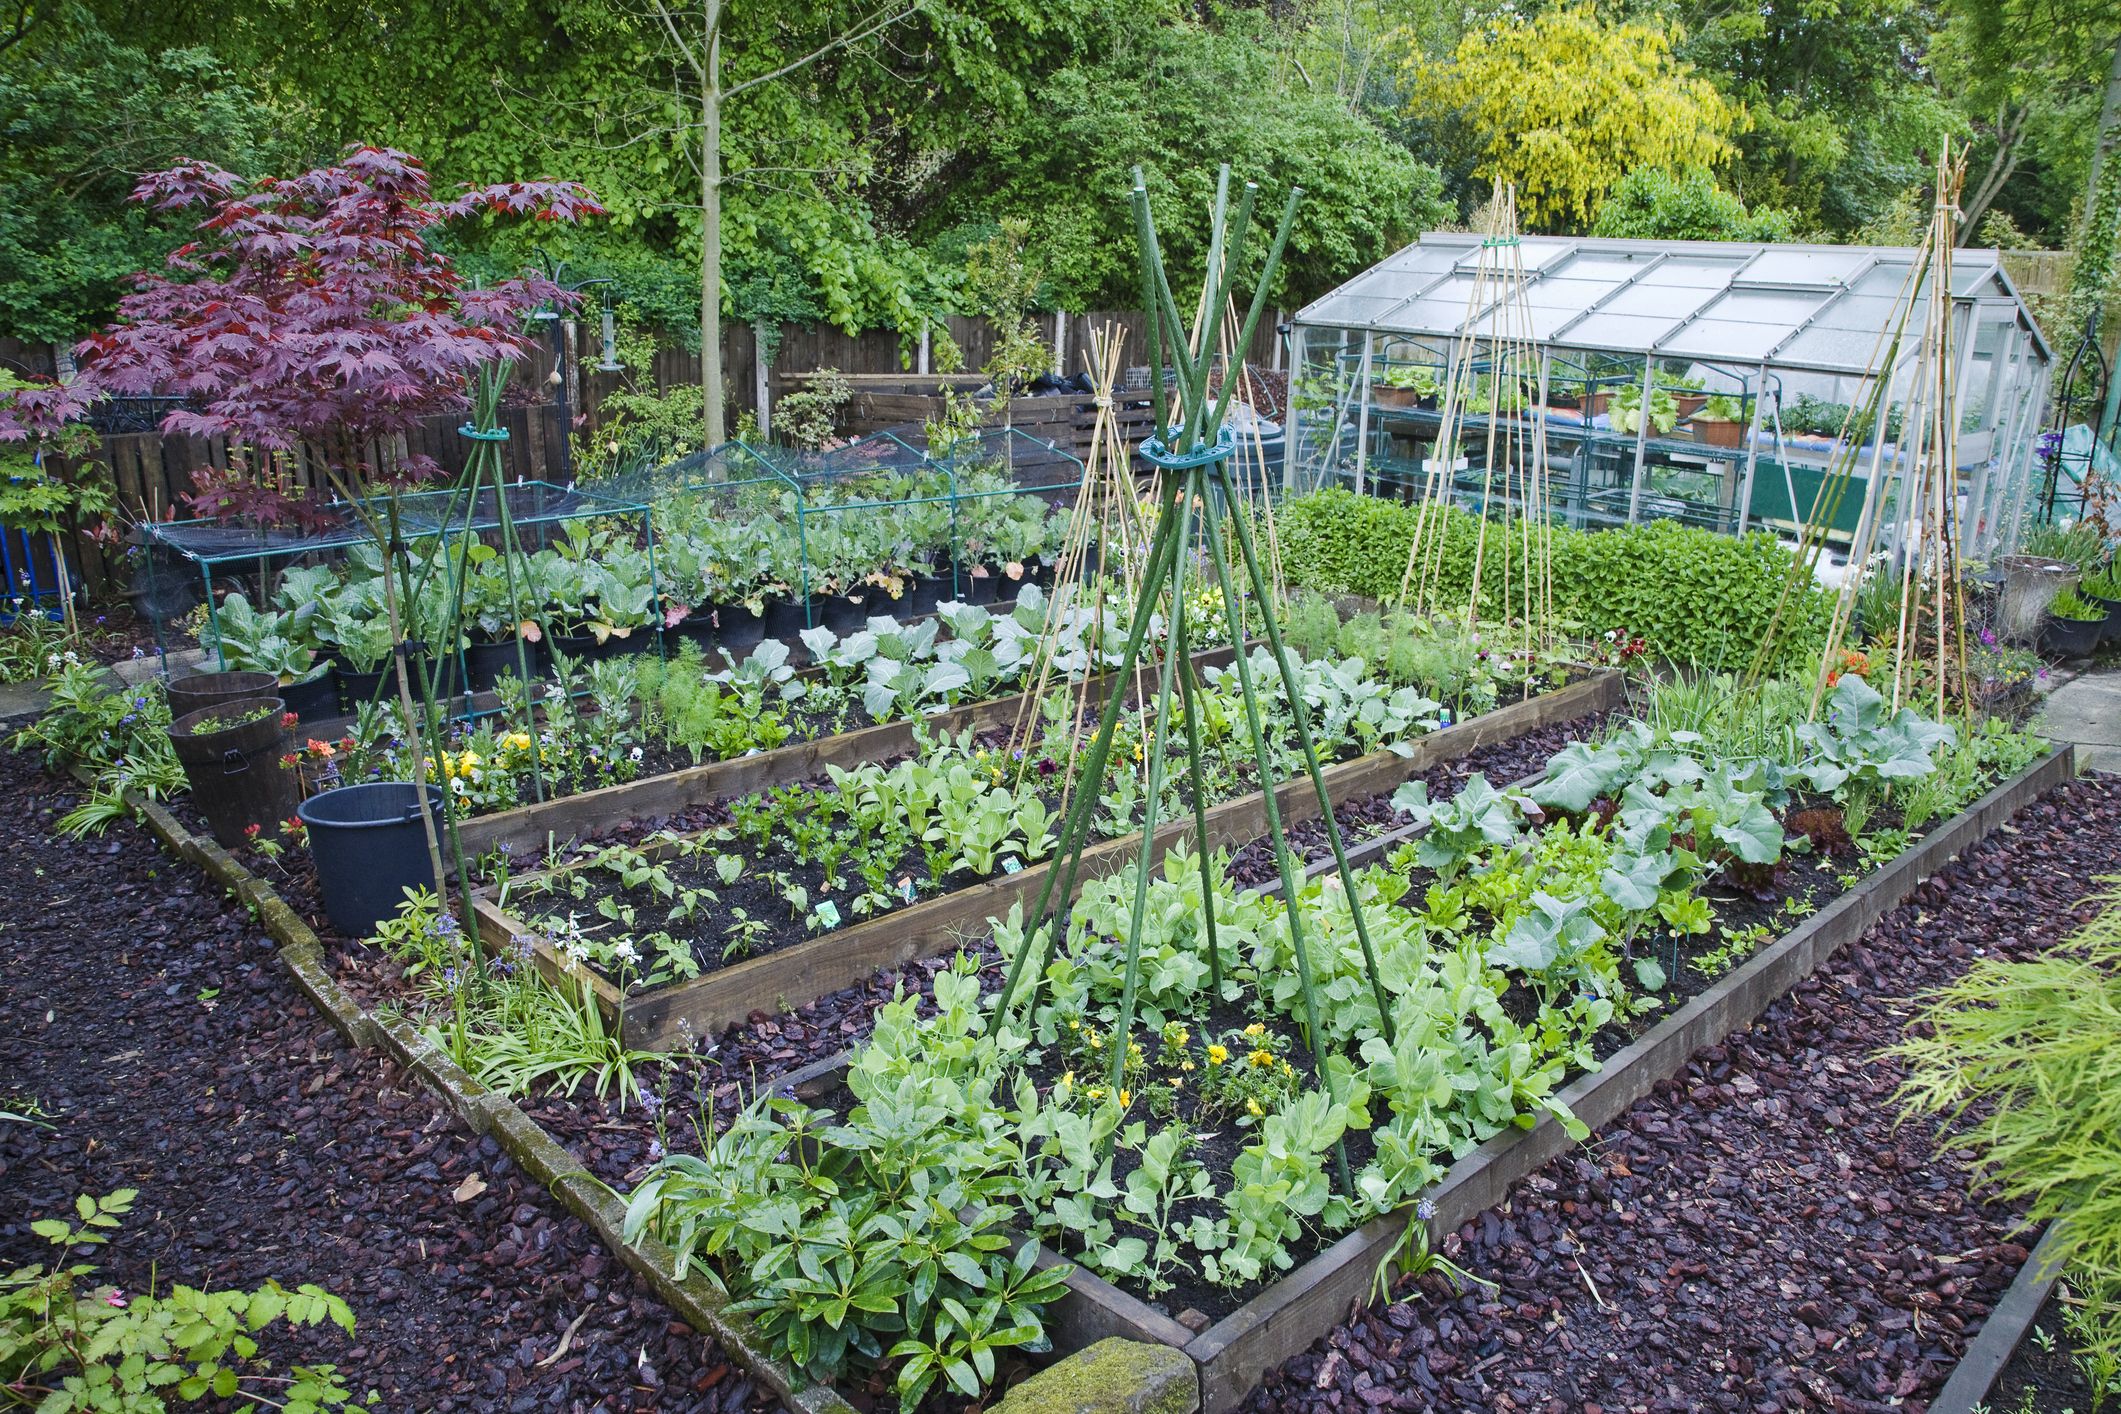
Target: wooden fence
{"points": [[154, 474]]}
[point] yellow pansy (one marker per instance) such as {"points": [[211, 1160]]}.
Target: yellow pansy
{"points": [[1217, 1055]]}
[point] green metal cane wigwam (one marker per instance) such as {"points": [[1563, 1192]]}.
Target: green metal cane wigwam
{"points": [[1197, 501]]}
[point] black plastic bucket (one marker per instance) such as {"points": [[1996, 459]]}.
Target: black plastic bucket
{"points": [[315, 698], [485, 663], [234, 772], [187, 695], [369, 848], [738, 628], [785, 618]]}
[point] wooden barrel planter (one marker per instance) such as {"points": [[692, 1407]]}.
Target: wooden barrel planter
{"points": [[231, 754]]}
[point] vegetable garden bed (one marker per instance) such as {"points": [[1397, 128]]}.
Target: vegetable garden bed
{"points": [[1281, 1320], [808, 969], [532, 827]]}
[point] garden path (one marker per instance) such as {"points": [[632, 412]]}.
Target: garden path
{"points": [[143, 1019], [2086, 710]]}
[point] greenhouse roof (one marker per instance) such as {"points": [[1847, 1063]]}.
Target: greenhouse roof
{"points": [[1798, 306]]}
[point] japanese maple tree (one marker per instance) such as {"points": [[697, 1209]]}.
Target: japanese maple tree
{"points": [[310, 311]]}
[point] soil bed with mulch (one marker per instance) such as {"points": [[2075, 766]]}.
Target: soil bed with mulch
{"points": [[1759, 1235], [2044, 1375], [147, 1017]]}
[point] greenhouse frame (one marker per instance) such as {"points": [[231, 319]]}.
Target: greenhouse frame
{"points": [[1747, 357]]}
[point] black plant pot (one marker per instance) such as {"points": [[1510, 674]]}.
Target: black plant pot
{"points": [[739, 627], [785, 618], [2112, 631], [486, 663], [2071, 638], [585, 648], [438, 671], [356, 689], [316, 698], [843, 613], [235, 774], [923, 594], [980, 588]]}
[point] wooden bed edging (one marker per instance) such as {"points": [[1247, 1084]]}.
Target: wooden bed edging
{"points": [[779, 981], [530, 827], [2004, 1330], [1288, 1316], [697, 1300]]}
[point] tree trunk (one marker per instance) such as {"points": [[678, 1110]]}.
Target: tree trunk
{"points": [[711, 228], [2109, 121], [2010, 140]]}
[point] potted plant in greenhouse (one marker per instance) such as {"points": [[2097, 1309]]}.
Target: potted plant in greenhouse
{"points": [[498, 640], [310, 321], [1721, 421], [1406, 385], [2074, 626], [1627, 410]]}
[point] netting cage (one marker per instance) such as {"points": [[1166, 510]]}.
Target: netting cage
{"points": [[1715, 384], [484, 588], [766, 541]]}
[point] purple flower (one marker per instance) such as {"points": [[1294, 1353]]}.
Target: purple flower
{"points": [[1426, 1210]]}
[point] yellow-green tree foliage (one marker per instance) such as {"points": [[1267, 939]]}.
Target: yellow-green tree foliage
{"points": [[1566, 104]]}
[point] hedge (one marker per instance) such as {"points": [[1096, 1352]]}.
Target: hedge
{"points": [[1695, 597]]}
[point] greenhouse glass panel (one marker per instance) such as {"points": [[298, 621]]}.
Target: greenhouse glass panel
{"points": [[1759, 350], [1819, 269]]}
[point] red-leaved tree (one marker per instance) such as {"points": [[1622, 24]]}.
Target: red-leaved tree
{"points": [[309, 312]]}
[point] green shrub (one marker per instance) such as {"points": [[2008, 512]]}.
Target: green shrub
{"points": [[2023, 1059], [1695, 596]]}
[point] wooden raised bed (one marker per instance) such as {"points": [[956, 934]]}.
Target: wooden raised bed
{"points": [[807, 970], [1285, 1318], [532, 827]]}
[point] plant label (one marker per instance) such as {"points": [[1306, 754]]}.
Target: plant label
{"points": [[828, 915]]}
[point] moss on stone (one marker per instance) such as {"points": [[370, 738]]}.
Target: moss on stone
{"points": [[1113, 1376]]}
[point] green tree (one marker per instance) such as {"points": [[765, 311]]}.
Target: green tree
{"points": [[1650, 203], [1165, 93], [1565, 104], [84, 115], [1842, 110]]}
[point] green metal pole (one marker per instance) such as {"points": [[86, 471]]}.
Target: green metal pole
{"points": [[1282, 861], [1145, 865], [1272, 630], [1183, 646], [1060, 880]]}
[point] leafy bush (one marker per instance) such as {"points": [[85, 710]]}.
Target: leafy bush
{"points": [[2027, 1051], [65, 1345], [1695, 596]]}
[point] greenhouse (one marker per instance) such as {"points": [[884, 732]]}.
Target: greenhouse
{"points": [[1749, 358]]}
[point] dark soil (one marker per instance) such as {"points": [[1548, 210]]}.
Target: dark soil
{"points": [[1760, 1234], [146, 1016], [2043, 1376]]}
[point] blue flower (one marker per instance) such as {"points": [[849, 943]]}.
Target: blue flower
{"points": [[1426, 1210]]}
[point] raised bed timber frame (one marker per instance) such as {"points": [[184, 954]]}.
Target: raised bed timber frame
{"points": [[1281, 1321], [810, 969], [529, 828]]}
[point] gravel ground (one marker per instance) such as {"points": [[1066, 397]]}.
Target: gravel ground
{"points": [[1759, 1235], [147, 1017]]}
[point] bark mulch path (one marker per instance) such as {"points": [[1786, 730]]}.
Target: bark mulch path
{"points": [[1760, 1235], [147, 1016]]}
